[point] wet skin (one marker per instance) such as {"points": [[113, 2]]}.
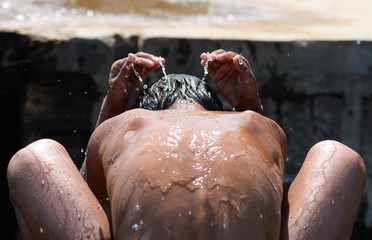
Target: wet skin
{"points": [[187, 173], [184, 173]]}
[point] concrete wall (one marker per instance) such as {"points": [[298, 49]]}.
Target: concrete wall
{"points": [[314, 90]]}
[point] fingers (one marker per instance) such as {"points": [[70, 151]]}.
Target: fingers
{"points": [[219, 57], [151, 57], [141, 59], [144, 60], [210, 56], [139, 64]]}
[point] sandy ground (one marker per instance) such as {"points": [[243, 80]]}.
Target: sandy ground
{"points": [[289, 20]]}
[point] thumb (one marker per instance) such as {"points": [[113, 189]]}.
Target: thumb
{"points": [[126, 69]]}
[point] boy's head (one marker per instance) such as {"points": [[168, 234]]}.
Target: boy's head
{"points": [[173, 87]]}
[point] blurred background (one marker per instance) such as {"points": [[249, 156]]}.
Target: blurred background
{"points": [[312, 60]]}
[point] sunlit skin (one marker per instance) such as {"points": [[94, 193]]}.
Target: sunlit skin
{"points": [[184, 172]]}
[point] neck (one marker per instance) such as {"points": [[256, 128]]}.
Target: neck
{"points": [[181, 105]]}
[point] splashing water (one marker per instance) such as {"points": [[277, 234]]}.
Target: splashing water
{"points": [[163, 68], [206, 69]]}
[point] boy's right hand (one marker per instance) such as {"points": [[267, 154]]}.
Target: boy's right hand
{"points": [[124, 81]]}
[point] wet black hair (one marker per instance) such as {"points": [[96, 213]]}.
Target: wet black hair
{"points": [[163, 93]]}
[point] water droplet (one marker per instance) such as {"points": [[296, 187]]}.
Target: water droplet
{"points": [[261, 216], [241, 62], [20, 17], [90, 13], [224, 225], [358, 42], [42, 182], [145, 86], [5, 5], [41, 230], [99, 207], [179, 214], [190, 212], [135, 227], [138, 207], [78, 216], [333, 201], [82, 150], [69, 93], [61, 191], [107, 199], [141, 222], [162, 170], [288, 54]]}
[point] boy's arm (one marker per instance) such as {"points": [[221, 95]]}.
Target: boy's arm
{"points": [[123, 88], [127, 77]]}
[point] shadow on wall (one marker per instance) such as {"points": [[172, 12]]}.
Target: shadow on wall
{"points": [[314, 90]]}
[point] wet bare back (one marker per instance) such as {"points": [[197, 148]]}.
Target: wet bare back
{"points": [[187, 173]]}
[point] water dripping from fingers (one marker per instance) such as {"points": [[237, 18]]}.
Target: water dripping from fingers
{"points": [[162, 68], [206, 69], [137, 74]]}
